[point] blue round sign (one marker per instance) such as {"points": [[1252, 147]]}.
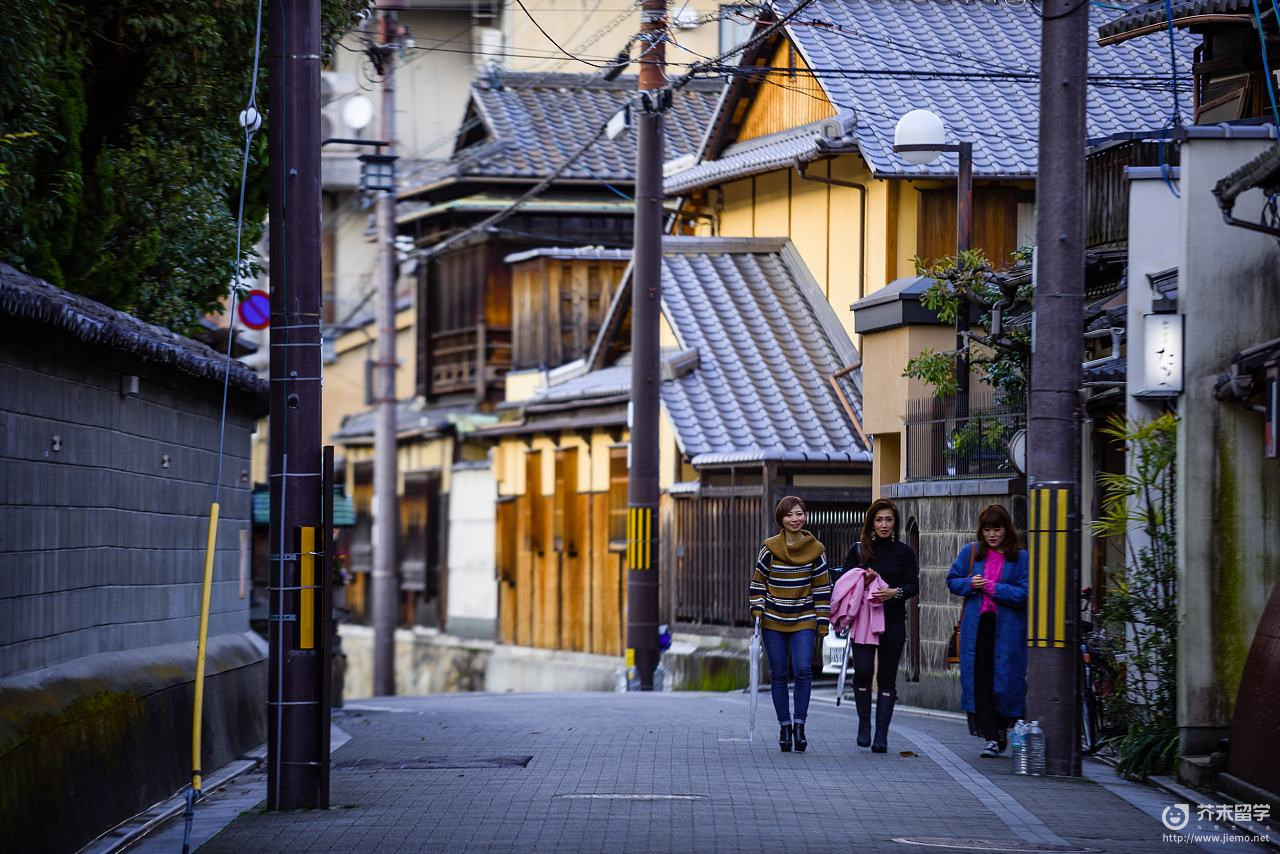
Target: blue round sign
{"points": [[255, 310]]}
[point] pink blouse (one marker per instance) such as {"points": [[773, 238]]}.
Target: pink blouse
{"points": [[991, 570]]}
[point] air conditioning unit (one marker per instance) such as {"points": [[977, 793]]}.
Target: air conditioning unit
{"points": [[487, 46]]}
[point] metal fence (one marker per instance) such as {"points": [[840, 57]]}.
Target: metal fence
{"points": [[715, 541], [941, 444]]}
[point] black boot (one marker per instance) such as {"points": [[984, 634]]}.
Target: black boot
{"points": [[801, 742], [884, 714], [862, 700], [784, 738]]}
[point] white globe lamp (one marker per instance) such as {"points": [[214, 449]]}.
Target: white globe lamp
{"points": [[357, 112], [920, 128]]}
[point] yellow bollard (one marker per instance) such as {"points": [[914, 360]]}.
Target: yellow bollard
{"points": [[196, 771]]}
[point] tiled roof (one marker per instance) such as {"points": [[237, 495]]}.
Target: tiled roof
{"points": [[412, 419], [1149, 16], [34, 301], [881, 58], [768, 343], [775, 151], [570, 253], [532, 122]]}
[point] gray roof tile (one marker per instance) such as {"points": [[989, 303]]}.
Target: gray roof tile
{"points": [[999, 114], [767, 347], [532, 122]]}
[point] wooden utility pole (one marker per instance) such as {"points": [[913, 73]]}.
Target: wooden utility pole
{"points": [[1053, 428], [646, 374], [300, 616]]}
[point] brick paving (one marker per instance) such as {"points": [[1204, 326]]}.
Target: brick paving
{"points": [[669, 772]]}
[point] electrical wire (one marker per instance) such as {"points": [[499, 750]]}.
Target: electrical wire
{"points": [[534, 21]]}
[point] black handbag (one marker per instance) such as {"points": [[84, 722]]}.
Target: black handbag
{"points": [[953, 645]]}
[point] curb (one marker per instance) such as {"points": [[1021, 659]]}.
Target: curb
{"points": [[1193, 796], [129, 831]]}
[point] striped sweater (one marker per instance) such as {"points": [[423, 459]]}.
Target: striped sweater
{"points": [[791, 597]]}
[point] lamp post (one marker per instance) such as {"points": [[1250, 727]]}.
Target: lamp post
{"points": [[920, 137]]}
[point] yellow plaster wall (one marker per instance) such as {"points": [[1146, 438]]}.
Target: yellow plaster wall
{"points": [[666, 335], [737, 216], [884, 389], [343, 392], [846, 266], [810, 223], [521, 385], [773, 204], [886, 462]]}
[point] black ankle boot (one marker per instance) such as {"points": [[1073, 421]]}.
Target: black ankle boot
{"points": [[801, 742], [884, 714], [862, 700], [784, 738]]}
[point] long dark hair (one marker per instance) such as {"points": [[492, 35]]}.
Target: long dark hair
{"points": [[868, 552], [996, 516]]}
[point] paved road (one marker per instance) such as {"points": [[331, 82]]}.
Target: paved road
{"points": [[670, 772]]}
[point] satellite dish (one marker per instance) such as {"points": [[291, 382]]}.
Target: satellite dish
{"points": [[1018, 451]]}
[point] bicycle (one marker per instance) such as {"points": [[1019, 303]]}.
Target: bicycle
{"points": [[1093, 679]]}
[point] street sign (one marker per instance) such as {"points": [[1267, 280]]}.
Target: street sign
{"points": [[255, 310]]}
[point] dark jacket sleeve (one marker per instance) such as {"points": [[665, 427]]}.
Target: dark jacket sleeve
{"points": [[911, 574], [851, 557]]}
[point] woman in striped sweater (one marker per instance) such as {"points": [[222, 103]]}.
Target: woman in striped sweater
{"points": [[791, 595]]}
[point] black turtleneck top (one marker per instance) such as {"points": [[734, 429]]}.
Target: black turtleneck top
{"points": [[895, 562]]}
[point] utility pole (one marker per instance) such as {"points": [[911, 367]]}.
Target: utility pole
{"points": [[386, 518], [299, 618], [646, 375], [964, 241], [1053, 429]]}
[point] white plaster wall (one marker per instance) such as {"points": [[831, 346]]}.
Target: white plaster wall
{"points": [[1228, 495], [473, 589]]}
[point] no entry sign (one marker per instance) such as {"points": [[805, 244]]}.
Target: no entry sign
{"points": [[255, 310]]}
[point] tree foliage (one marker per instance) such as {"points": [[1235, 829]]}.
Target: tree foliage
{"points": [[120, 148], [1139, 506], [998, 354]]}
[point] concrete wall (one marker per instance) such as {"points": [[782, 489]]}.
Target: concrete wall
{"points": [[104, 503], [429, 662], [1228, 495], [473, 587]]}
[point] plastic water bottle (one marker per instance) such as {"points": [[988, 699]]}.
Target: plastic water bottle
{"points": [[620, 679], [1035, 749], [659, 678], [1018, 746], [633, 679]]}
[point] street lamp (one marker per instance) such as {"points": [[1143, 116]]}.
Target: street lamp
{"points": [[920, 137]]}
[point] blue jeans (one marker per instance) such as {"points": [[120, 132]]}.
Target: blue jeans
{"points": [[790, 652]]}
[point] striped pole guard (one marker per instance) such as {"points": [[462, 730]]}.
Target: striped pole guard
{"points": [[1049, 548]]}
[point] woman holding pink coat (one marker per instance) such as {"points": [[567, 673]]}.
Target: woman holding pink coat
{"points": [[892, 576]]}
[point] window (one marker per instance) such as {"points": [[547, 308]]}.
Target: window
{"points": [[736, 23], [618, 498]]}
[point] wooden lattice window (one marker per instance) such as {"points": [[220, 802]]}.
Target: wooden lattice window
{"points": [[618, 498]]}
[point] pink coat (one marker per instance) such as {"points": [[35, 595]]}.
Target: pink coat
{"points": [[854, 609]]}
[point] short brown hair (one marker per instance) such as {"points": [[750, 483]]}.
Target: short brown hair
{"points": [[995, 516], [786, 505]]}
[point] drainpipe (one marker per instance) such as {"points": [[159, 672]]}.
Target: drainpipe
{"points": [[1116, 333], [862, 192]]}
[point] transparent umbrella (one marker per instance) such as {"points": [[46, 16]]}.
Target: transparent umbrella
{"points": [[844, 668], [753, 653]]}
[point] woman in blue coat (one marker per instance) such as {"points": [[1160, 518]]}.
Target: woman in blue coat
{"points": [[991, 575]]}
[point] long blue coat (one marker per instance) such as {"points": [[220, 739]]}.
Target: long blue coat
{"points": [[1011, 633]]}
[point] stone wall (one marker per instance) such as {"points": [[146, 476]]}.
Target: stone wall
{"points": [[946, 516]]}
